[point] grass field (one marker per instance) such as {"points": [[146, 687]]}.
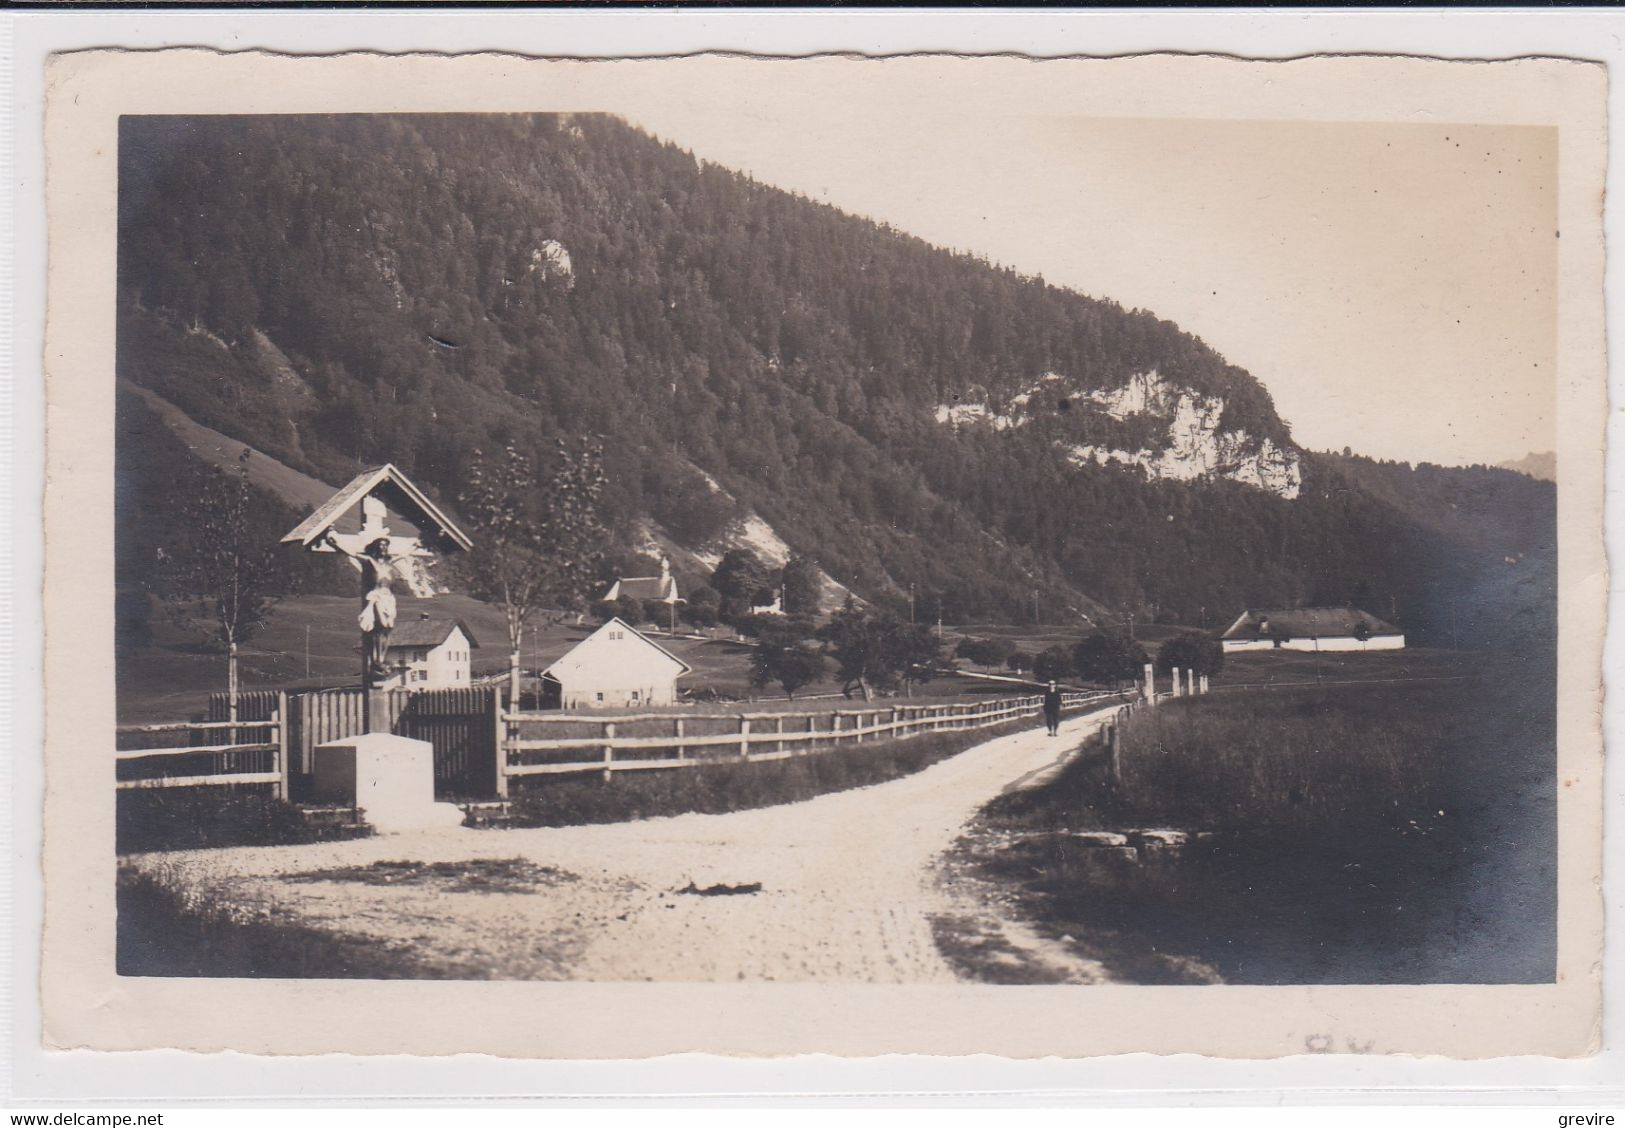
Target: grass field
{"points": [[1354, 833], [173, 678]]}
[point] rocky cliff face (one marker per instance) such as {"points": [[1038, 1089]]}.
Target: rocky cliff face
{"points": [[1188, 442]]}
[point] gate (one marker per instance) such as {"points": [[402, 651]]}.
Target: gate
{"points": [[461, 724]]}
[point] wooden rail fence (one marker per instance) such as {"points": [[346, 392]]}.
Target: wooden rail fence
{"points": [[253, 751], [651, 741]]}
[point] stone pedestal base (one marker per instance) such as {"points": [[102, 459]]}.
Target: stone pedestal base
{"points": [[389, 777]]}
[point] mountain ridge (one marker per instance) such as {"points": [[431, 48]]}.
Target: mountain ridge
{"points": [[347, 290]]}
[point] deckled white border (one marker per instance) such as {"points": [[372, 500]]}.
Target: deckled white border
{"points": [[581, 33]]}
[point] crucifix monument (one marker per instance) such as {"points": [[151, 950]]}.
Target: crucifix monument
{"points": [[382, 556]]}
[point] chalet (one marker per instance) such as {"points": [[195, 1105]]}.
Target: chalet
{"points": [[430, 654], [647, 589], [1311, 628], [613, 668]]}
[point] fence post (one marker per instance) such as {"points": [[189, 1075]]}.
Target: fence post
{"points": [[499, 738], [1176, 681], [609, 749], [744, 737], [1150, 682], [779, 745], [834, 727], [1115, 744], [283, 767], [678, 727]]}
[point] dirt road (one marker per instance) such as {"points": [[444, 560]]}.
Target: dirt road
{"points": [[841, 887]]}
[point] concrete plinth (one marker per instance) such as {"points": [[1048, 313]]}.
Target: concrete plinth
{"points": [[390, 777]]}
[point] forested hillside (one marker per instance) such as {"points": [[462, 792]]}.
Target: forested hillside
{"points": [[343, 291]]}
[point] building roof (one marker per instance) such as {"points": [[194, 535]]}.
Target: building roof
{"points": [[647, 587], [1307, 622], [395, 490], [582, 652], [429, 632]]}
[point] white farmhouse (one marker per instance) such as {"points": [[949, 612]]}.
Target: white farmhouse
{"points": [[615, 667], [1313, 629], [430, 654]]}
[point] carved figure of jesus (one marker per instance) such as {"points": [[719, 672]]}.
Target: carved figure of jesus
{"points": [[379, 570]]}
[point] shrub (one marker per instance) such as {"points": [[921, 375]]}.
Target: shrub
{"points": [[190, 818], [1191, 651]]}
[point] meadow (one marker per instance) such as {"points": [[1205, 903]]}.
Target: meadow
{"points": [[172, 678], [1342, 833]]}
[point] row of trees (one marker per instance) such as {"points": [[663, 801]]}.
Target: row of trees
{"points": [[872, 651], [1115, 659]]}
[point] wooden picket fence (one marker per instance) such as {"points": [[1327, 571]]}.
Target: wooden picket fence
{"points": [[254, 750], [648, 741], [460, 723]]}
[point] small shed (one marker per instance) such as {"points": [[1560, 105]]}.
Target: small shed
{"points": [[431, 654], [1312, 629], [615, 667]]}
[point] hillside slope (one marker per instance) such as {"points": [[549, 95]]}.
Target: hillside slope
{"points": [[346, 290]]}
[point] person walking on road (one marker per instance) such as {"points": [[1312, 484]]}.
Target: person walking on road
{"points": [[1052, 708]]}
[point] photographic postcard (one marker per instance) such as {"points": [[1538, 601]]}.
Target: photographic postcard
{"points": [[934, 555]]}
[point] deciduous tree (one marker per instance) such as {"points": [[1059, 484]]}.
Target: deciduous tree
{"points": [[784, 654], [1109, 658], [538, 539], [220, 577]]}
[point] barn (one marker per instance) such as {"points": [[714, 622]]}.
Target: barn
{"points": [[1313, 629], [615, 667], [430, 654]]}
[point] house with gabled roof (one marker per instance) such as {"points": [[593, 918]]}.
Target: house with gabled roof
{"points": [[647, 589], [1311, 628], [430, 653], [615, 667]]}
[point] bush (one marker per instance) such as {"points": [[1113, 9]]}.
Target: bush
{"points": [[1191, 651], [1109, 658], [702, 606], [1053, 664], [192, 818]]}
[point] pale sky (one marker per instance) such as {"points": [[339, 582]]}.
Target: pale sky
{"points": [[1392, 285]]}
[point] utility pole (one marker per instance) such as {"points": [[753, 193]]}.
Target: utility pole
{"points": [[307, 650], [911, 603], [1035, 607]]}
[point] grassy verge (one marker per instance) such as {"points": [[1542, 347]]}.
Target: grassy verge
{"points": [[738, 786], [162, 932], [1366, 834], [192, 818]]}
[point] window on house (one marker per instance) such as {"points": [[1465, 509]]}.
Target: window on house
{"points": [[600, 698]]}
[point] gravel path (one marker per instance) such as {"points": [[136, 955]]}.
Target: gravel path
{"points": [[848, 883]]}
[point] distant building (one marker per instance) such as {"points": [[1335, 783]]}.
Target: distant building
{"points": [[1311, 628], [431, 654], [647, 589], [613, 668]]}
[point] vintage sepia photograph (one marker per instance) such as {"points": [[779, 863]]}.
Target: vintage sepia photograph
{"points": [[690, 544]]}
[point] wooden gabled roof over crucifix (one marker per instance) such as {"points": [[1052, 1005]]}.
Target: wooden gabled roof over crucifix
{"points": [[388, 485]]}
